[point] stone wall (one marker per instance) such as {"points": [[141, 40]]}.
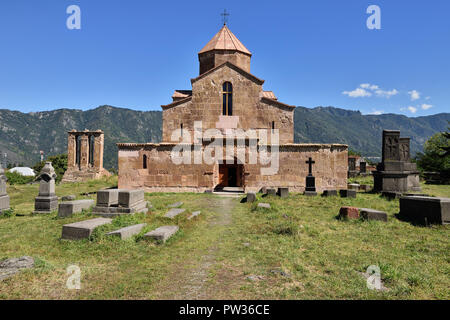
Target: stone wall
{"points": [[162, 175], [254, 111]]}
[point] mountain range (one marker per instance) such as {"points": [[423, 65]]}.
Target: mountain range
{"points": [[24, 135]]}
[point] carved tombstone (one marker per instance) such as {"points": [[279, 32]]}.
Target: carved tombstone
{"points": [[363, 167], [46, 201], [4, 198], [396, 172], [351, 164], [404, 149], [390, 148]]}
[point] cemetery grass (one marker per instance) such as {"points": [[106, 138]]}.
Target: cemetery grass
{"points": [[295, 250]]}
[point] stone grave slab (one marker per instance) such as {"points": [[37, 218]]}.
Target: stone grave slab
{"points": [[345, 193], [66, 209], [283, 192], [107, 198], [264, 205], [162, 233], [329, 193], [348, 213], [194, 214], [251, 197], [425, 210], [174, 212], [353, 186], [130, 198], [127, 232], [175, 205], [82, 229], [371, 214]]}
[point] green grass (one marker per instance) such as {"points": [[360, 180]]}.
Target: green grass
{"points": [[322, 256]]}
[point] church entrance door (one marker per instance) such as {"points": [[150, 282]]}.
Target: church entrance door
{"points": [[230, 175]]}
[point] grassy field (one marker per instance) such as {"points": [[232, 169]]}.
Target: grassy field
{"points": [[295, 250]]}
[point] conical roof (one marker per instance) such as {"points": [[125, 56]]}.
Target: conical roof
{"points": [[225, 40]]}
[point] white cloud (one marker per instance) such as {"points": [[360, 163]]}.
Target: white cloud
{"points": [[386, 94], [357, 93], [369, 86], [376, 112], [426, 106], [427, 98], [367, 90], [412, 109], [414, 94]]}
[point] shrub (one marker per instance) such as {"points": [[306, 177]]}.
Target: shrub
{"points": [[17, 178], [59, 163]]}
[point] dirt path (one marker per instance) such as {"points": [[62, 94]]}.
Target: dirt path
{"points": [[192, 284]]}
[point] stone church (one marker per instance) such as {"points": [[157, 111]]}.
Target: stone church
{"points": [[227, 99]]}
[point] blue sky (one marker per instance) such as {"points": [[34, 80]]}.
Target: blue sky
{"points": [[134, 53]]}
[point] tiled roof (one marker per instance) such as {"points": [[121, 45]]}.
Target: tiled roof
{"points": [[225, 40]]}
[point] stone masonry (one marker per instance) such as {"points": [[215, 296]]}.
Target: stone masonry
{"points": [[228, 99], [4, 198], [85, 156]]}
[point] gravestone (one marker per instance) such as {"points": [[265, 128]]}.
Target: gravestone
{"points": [[264, 205], [127, 232], [10, 267], [348, 213], [46, 201], [365, 187], [70, 197], [175, 205], [116, 202], [425, 210], [371, 214], [162, 233], [174, 212], [329, 193], [396, 172], [345, 193], [362, 167], [83, 229], [283, 192], [251, 197], [194, 214], [66, 209], [353, 186], [108, 198], [310, 189], [271, 192], [352, 167], [4, 198]]}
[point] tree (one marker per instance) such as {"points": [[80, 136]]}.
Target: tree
{"points": [[436, 157], [59, 163]]}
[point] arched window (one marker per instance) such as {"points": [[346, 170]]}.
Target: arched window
{"points": [[144, 161], [227, 99]]}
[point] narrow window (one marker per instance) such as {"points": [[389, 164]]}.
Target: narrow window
{"points": [[273, 125], [181, 130], [144, 161], [227, 109]]}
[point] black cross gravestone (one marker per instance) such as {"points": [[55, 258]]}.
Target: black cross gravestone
{"points": [[310, 189]]}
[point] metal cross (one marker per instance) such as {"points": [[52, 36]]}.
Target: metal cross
{"points": [[310, 162], [225, 15]]}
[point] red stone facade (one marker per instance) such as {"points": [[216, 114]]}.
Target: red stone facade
{"points": [[248, 107]]}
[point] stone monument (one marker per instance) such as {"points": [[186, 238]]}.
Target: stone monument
{"points": [[352, 172], [396, 172], [4, 198], [46, 201], [85, 156], [310, 189]]}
